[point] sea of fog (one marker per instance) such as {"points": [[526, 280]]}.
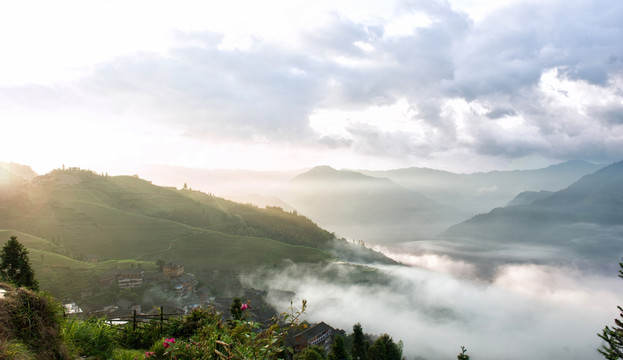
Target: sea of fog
{"points": [[436, 303]]}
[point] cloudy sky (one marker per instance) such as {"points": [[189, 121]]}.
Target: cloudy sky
{"points": [[461, 85]]}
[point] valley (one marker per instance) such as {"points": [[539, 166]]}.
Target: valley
{"points": [[385, 243]]}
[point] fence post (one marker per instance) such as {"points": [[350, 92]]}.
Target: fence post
{"points": [[161, 318], [134, 321]]}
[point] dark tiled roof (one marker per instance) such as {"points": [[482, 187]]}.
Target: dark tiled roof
{"points": [[315, 330]]}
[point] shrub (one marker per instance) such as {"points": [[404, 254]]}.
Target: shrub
{"points": [[33, 319], [212, 339], [124, 354], [91, 337], [187, 326], [143, 337]]}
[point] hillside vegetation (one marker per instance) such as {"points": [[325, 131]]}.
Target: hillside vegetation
{"points": [[67, 216]]}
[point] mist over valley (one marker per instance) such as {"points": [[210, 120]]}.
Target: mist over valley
{"points": [[446, 173], [502, 283]]}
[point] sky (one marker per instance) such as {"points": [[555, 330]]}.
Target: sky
{"points": [[464, 86]]}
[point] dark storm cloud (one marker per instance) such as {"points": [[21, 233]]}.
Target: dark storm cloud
{"points": [[612, 115], [511, 48]]}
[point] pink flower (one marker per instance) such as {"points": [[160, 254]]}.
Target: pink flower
{"points": [[149, 353], [168, 342], [244, 307]]}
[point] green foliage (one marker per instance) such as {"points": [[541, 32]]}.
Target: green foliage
{"points": [[91, 337], [359, 347], [15, 265], [463, 354], [142, 337], [235, 309], [338, 349], [241, 340], [124, 354], [97, 215], [33, 320], [15, 350], [613, 337], [311, 353], [384, 348], [189, 325]]}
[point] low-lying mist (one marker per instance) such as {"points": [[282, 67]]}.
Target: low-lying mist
{"points": [[524, 311]]}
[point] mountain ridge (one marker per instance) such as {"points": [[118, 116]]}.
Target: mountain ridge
{"points": [[362, 206], [594, 199]]}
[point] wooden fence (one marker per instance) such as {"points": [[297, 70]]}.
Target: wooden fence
{"points": [[138, 319]]}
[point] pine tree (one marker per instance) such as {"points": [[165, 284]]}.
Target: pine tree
{"points": [[338, 349], [384, 348], [613, 348], [15, 265], [359, 347]]}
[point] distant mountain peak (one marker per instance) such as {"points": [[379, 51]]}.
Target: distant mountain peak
{"points": [[327, 173], [321, 169]]}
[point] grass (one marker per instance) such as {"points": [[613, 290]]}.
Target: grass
{"points": [[28, 240], [30, 321], [125, 221]]}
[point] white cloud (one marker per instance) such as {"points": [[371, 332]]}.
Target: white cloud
{"points": [[527, 312], [396, 83]]}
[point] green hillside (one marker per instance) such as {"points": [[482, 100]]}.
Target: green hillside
{"points": [[68, 216], [62, 275]]}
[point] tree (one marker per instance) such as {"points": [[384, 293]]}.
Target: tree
{"points": [[463, 355], [384, 348], [15, 265], [338, 349], [310, 353], [359, 347], [160, 264], [613, 348]]}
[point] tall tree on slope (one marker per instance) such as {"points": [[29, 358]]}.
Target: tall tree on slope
{"points": [[359, 347], [15, 265], [613, 337]]}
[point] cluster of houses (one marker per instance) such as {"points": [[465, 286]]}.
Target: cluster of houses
{"points": [[177, 284], [184, 285]]}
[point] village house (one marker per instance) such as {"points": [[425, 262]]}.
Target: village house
{"points": [[71, 309], [172, 271], [130, 278], [185, 284], [320, 334]]}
